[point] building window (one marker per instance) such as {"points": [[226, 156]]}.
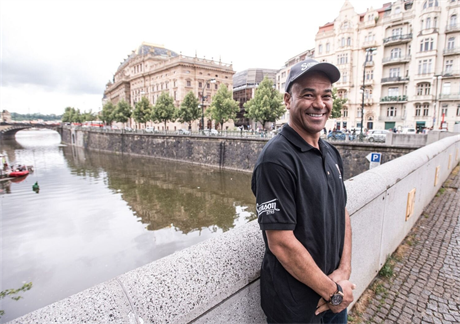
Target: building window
{"points": [[458, 110], [394, 72], [396, 32], [342, 94], [345, 112], [320, 49], [418, 109], [424, 66], [189, 84], [449, 64], [426, 110], [349, 41], [391, 112], [451, 43], [444, 110], [368, 93], [342, 59], [395, 53], [428, 23], [423, 89], [369, 74], [435, 22], [200, 84], [345, 76], [208, 85], [215, 86], [430, 3], [328, 47], [426, 44], [453, 20], [446, 88], [393, 92], [342, 42], [397, 10]]}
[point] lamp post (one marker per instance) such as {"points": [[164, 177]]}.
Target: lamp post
{"points": [[202, 101], [436, 79], [369, 51]]}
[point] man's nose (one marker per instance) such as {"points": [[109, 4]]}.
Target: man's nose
{"points": [[318, 103]]}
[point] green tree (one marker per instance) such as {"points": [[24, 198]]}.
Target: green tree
{"points": [[88, 116], [11, 292], [223, 107], [143, 111], [107, 115], [267, 104], [67, 116], [189, 109], [122, 112], [337, 104], [164, 110]]}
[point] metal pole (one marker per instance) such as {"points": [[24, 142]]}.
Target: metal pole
{"points": [[362, 104]]}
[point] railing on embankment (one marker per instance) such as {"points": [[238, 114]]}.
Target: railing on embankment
{"points": [[216, 280]]}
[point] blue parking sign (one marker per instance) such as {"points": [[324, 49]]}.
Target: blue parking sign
{"points": [[375, 157]]}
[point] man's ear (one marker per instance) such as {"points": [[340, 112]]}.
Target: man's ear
{"points": [[287, 100]]}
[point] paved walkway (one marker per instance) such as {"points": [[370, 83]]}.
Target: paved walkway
{"points": [[425, 287]]}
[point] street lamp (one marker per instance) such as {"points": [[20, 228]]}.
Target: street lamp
{"points": [[202, 101], [369, 53], [435, 78]]}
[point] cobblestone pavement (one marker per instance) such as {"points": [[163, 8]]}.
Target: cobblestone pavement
{"points": [[425, 287]]}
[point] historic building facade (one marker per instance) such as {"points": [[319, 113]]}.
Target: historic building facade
{"points": [[244, 86], [401, 61], [152, 69]]}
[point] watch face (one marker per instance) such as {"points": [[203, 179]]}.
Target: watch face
{"points": [[336, 299]]}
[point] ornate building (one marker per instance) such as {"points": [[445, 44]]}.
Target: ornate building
{"points": [[406, 58], [244, 86], [152, 69]]}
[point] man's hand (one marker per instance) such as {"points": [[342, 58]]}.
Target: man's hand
{"points": [[347, 288], [339, 275]]}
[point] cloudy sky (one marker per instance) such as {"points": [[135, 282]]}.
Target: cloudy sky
{"points": [[56, 54]]}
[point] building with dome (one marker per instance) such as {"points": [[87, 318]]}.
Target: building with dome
{"points": [[152, 69]]}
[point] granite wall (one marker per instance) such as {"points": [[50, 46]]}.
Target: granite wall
{"points": [[225, 152]]}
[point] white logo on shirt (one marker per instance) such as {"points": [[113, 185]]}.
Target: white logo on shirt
{"points": [[268, 207], [338, 169]]}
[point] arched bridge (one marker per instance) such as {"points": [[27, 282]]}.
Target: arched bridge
{"points": [[8, 131]]}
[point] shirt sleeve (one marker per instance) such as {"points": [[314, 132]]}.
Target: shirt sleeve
{"points": [[275, 189]]}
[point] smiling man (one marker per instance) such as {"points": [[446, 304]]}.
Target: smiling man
{"points": [[301, 201]]}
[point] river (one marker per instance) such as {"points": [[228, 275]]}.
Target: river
{"points": [[99, 215]]}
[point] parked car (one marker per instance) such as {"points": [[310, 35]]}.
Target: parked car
{"points": [[377, 135], [149, 130], [339, 135], [211, 132], [183, 131], [408, 131], [128, 129]]}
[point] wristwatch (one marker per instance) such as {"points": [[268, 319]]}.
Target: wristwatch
{"points": [[337, 297]]}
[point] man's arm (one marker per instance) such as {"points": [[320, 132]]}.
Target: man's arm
{"points": [[295, 258]]}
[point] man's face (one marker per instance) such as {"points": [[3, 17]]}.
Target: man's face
{"points": [[310, 103]]}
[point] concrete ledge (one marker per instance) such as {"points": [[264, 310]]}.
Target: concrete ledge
{"points": [[216, 280]]}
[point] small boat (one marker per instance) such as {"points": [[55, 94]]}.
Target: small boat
{"points": [[18, 173]]}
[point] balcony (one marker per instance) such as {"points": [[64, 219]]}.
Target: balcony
{"points": [[396, 79], [394, 99], [427, 31], [423, 98], [431, 9], [369, 82], [397, 39], [452, 28], [370, 23], [451, 51], [369, 44], [424, 75], [450, 96], [369, 64], [449, 74], [395, 60]]}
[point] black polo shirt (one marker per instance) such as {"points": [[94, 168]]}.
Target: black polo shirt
{"points": [[298, 188]]}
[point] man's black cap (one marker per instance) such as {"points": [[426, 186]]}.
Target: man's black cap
{"points": [[310, 65]]}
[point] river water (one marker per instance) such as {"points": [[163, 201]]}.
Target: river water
{"points": [[99, 215]]}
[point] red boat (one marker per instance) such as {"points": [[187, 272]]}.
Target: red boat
{"points": [[19, 173]]}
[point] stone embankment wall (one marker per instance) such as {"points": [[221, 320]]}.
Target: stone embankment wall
{"points": [[216, 281], [225, 152]]}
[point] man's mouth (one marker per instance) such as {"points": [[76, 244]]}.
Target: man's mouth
{"points": [[315, 115]]}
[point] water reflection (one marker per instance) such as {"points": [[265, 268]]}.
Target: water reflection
{"points": [[102, 214], [164, 194]]}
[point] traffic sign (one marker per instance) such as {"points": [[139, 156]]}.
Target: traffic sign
{"points": [[375, 159]]}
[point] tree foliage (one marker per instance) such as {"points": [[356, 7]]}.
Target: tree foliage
{"points": [[337, 104], [143, 111], [12, 292], [22, 117], [164, 110], [108, 113], [122, 112], [189, 109], [267, 104], [72, 115], [223, 107]]}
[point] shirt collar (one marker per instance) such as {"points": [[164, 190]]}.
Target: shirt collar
{"points": [[292, 136]]}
